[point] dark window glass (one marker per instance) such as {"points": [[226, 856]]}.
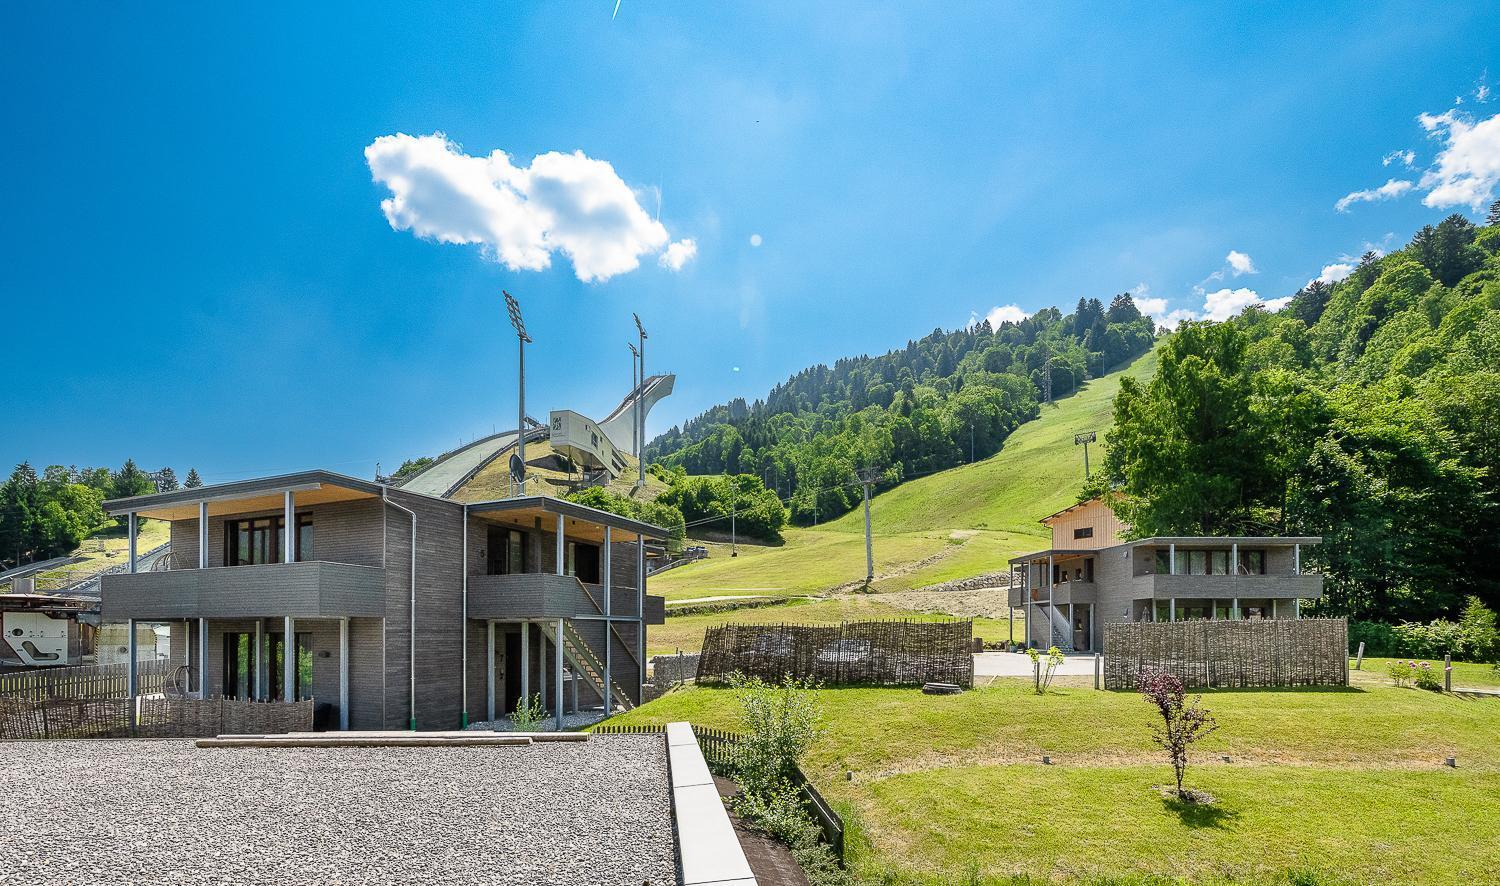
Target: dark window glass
{"points": [[506, 552], [1197, 563], [255, 541], [302, 679], [1088, 569], [583, 561], [239, 665], [1219, 563], [1163, 562], [1084, 532], [1253, 562]]}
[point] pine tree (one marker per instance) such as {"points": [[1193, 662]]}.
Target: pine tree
{"points": [[166, 480], [193, 480], [1495, 213]]}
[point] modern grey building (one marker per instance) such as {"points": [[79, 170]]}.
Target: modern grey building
{"points": [[393, 608], [1091, 576]]}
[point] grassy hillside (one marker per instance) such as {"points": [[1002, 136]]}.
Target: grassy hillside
{"points": [[954, 524], [1320, 785]]}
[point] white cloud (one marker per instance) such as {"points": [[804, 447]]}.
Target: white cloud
{"points": [[519, 215], [1005, 314], [1226, 303], [755, 240], [1467, 170], [1174, 318], [679, 254], [1407, 158], [1333, 273], [1240, 263], [1390, 190]]}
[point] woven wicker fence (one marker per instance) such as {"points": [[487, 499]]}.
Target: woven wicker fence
{"points": [[883, 653], [158, 718], [1230, 653]]}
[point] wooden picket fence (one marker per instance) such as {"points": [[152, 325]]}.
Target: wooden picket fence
{"points": [[59, 718], [881, 653], [1222, 653], [84, 681]]}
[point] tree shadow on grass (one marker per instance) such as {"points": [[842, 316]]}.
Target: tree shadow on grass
{"points": [[1200, 815]]}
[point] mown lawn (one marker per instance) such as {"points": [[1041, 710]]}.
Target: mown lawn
{"points": [[1466, 675], [1346, 784], [685, 632]]}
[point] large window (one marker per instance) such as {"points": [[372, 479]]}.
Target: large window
{"points": [[1209, 562], [240, 661], [258, 540], [506, 551]]}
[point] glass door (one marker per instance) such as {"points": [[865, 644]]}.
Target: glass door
{"points": [[302, 678], [239, 665]]}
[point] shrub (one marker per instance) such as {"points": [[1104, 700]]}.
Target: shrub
{"points": [[1427, 677], [1182, 724], [780, 722], [528, 713], [1044, 675], [1402, 672], [1474, 637]]}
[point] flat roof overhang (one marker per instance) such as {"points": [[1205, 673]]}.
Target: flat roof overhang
{"points": [[579, 521], [1225, 541], [266, 493], [1055, 552]]}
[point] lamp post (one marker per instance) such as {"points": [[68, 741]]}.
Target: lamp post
{"points": [[640, 415], [522, 339]]}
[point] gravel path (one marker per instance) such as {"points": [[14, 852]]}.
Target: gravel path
{"points": [[571, 722], [167, 812]]}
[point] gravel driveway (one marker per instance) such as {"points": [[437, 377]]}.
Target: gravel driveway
{"points": [[167, 812]]}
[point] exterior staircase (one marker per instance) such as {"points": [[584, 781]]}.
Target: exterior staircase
{"points": [[584, 663], [1062, 632]]}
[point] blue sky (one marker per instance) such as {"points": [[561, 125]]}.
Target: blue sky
{"points": [[198, 271]]}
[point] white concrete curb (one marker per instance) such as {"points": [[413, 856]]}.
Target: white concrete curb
{"points": [[710, 852]]}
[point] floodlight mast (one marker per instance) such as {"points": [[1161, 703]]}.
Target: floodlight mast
{"points": [[640, 415], [522, 339], [635, 382]]}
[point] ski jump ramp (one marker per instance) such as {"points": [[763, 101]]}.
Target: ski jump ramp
{"points": [[452, 470]]}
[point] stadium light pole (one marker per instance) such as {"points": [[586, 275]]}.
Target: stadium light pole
{"points": [[522, 339], [635, 382], [640, 415]]}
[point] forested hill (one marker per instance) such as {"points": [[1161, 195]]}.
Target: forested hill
{"points": [[941, 401], [1367, 412]]}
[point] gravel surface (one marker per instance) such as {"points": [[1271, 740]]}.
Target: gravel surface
{"points": [[571, 722], [167, 812]]}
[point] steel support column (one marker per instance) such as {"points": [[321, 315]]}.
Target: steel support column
{"points": [[289, 659], [558, 664], [202, 535], [609, 627], [344, 673], [203, 658], [489, 670]]}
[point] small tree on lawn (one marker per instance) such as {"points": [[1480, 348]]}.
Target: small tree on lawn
{"points": [[1182, 724]]}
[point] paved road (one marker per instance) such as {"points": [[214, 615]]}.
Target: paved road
{"points": [[1018, 664]]}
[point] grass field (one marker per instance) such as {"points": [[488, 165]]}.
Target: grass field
{"points": [[104, 549], [685, 632], [1340, 785], [955, 524]]}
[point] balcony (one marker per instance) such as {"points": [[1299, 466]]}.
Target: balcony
{"points": [[535, 595], [1306, 586], [311, 589]]}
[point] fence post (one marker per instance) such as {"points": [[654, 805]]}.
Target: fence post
{"points": [[1448, 672], [1098, 671], [1036, 667], [1359, 658]]}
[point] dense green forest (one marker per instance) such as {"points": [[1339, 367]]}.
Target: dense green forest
{"points": [[1367, 412], [946, 399], [47, 515]]}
